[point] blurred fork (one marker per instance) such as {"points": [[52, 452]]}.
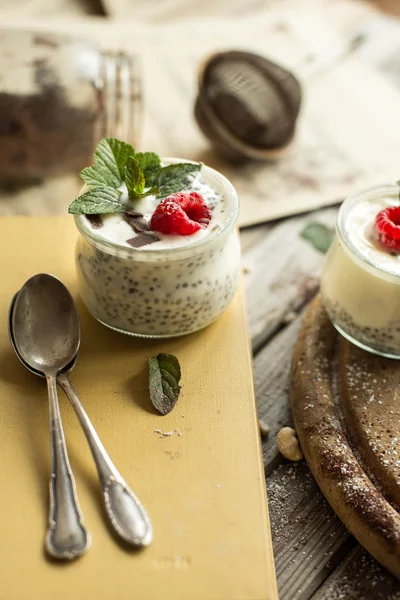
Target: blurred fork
{"points": [[120, 96]]}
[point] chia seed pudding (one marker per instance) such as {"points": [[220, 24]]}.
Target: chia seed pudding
{"points": [[174, 286], [360, 283]]}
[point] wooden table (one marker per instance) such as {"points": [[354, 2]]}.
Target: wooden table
{"points": [[315, 555]]}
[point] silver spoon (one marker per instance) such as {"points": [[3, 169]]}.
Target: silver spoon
{"points": [[41, 334], [124, 510]]}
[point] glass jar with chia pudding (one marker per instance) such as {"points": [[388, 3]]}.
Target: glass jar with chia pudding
{"points": [[162, 285], [360, 283]]}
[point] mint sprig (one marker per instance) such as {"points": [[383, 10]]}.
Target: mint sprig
{"points": [[115, 161]]}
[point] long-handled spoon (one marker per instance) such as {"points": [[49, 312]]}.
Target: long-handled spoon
{"points": [[41, 324], [124, 510]]}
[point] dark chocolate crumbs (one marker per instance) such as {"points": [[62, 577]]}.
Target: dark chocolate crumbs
{"points": [[95, 220], [142, 239], [136, 221]]}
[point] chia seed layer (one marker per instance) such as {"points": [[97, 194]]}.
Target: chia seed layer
{"points": [[159, 297], [385, 340]]}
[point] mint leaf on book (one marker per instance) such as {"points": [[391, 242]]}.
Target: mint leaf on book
{"points": [[110, 158], [150, 163], [175, 178], [98, 200], [164, 377]]}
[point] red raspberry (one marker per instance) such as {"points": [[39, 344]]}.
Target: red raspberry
{"points": [[183, 213], [387, 224]]}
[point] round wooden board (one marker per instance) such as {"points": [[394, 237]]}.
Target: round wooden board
{"points": [[346, 410]]}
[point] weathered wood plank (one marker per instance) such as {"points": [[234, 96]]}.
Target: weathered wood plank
{"points": [[309, 539], [251, 236], [271, 381], [359, 577], [281, 273]]}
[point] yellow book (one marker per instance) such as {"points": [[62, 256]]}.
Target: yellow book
{"points": [[203, 486]]}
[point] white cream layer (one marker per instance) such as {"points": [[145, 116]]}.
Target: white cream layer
{"points": [[360, 226], [118, 231]]}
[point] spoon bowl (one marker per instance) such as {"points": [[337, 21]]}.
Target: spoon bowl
{"points": [[68, 368], [45, 324]]}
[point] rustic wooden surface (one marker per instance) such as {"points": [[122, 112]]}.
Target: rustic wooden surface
{"points": [[316, 558]]}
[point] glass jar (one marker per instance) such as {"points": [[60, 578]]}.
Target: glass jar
{"points": [[156, 293], [59, 95], [360, 283]]}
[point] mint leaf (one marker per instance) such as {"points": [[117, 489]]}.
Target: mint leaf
{"points": [[97, 175], [153, 191], [174, 178], [150, 163], [135, 181], [164, 377], [109, 162], [98, 200], [134, 178], [319, 235]]}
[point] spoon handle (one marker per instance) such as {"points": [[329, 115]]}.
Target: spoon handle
{"points": [[126, 514], [66, 537]]}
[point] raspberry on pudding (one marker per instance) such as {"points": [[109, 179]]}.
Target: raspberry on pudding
{"points": [[387, 225], [182, 213], [360, 283], [162, 267]]}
